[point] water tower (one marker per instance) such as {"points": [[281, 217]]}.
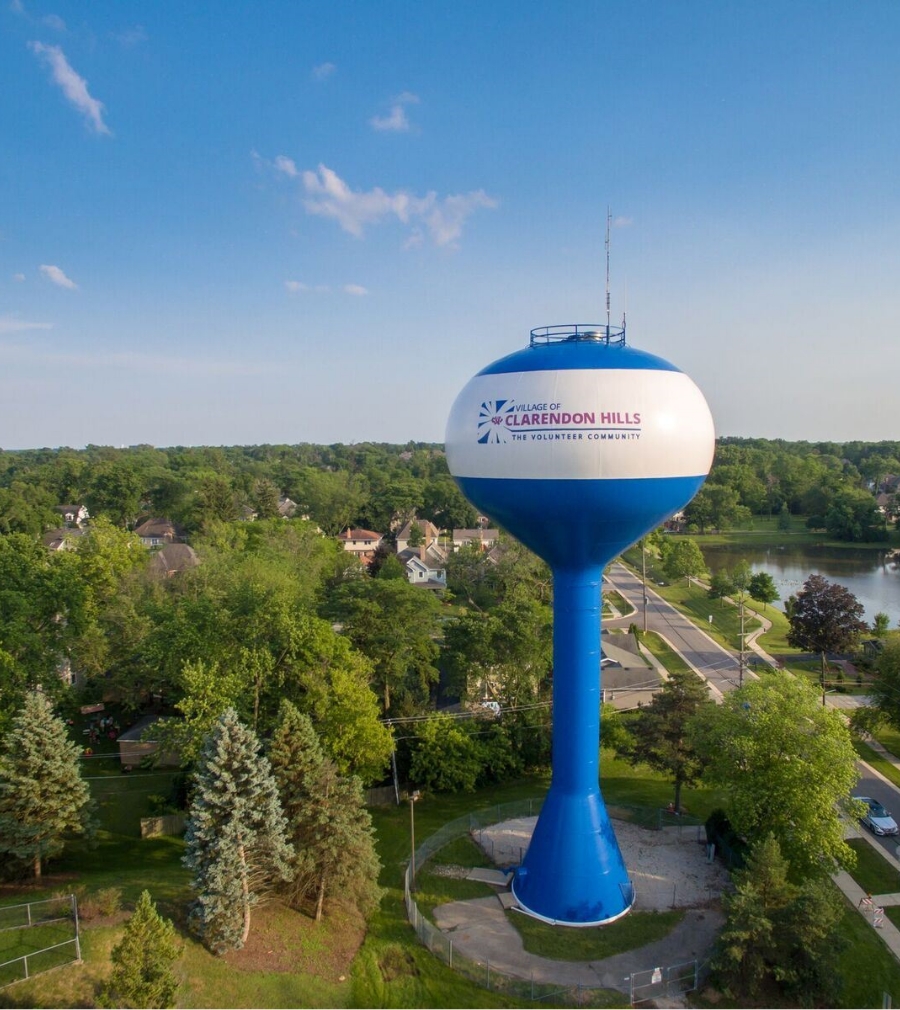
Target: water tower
{"points": [[578, 445]]}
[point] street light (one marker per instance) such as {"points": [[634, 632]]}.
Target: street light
{"points": [[413, 796]]}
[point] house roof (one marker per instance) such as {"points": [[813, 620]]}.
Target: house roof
{"points": [[477, 534], [357, 534], [425, 525], [157, 527], [174, 558]]}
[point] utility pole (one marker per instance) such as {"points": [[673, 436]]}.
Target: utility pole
{"points": [[644, 578], [741, 672]]}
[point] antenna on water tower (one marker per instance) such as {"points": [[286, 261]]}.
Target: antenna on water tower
{"points": [[608, 222]]}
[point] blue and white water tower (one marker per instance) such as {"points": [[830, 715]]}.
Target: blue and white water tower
{"points": [[578, 445]]}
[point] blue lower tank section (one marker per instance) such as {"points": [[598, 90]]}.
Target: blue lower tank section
{"points": [[573, 872], [576, 522]]}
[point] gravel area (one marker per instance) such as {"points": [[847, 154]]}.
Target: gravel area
{"points": [[668, 868]]}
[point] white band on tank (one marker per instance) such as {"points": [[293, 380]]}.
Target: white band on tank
{"points": [[590, 424]]}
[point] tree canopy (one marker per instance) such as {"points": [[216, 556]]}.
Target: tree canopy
{"points": [[787, 766]]}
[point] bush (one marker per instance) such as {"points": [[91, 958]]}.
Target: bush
{"points": [[94, 904], [730, 847]]}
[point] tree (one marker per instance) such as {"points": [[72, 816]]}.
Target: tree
{"points": [[661, 735], [762, 588], [885, 688], [787, 766], [784, 519], [142, 960], [853, 515], [328, 823], [684, 560], [395, 625], [880, 624], [236, 837], [777, 935], [826, 617], [42, 794], [720, 585]]}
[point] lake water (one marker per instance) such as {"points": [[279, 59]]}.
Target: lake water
{"points": [[873, 580]]}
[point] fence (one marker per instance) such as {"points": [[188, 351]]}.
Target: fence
{"points": [[24, 927], [664, 983], [483, 972], [168, 824]]}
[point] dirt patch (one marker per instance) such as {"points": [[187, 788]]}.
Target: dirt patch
{"points": [[669, 868], [287, 941]]}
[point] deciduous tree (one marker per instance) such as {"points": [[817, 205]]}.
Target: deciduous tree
{"points": [[825, 617], [787, 766]]}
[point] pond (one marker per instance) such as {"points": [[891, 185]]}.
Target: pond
{"points": [[872, 578]]}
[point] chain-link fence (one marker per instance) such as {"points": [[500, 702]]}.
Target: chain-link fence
{"points": [[483, 972], [37, 936]]}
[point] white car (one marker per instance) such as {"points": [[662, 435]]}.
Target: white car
{"points": [[876, 818]]}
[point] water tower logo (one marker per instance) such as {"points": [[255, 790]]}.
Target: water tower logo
{"points": [[492, 421]]}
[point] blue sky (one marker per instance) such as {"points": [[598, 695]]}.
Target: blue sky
{"points": [[227, 223]]}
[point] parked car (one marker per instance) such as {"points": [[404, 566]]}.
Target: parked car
{"points": [[876, 818]]}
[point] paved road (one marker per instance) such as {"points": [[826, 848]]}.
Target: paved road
{"points": [[717, 665], [721, 670]]}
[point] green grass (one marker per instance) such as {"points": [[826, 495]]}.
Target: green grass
{"points": [[614, 597], [877, 761], [462, 851], [669, 658], [560, 943], [433, 889], [868, 968], [889, 739], [873, 872]]}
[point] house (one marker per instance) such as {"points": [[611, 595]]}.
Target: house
{"points": [[172, 559], [425, 566], [73, 515], [484, 538], [362, 543], [626, 678], [62, 539], [286, 507], [159, 532], [429, 531]]}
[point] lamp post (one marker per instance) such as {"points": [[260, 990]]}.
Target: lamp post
{"points": [[741, 671], [413, 796]]}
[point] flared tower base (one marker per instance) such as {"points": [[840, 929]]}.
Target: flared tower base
{"points": [[573, 873]]}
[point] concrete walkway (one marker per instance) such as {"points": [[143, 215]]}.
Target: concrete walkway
{"points": [[481, 932]]}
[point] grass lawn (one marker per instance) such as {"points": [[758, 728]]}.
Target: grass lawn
{"points": [[889, 739], [666, 655], [873, 872], [433, 889], [869, 969], [564, 944], [877, 761], [614, 597]]}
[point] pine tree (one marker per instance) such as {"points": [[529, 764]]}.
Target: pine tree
{"points": [[329, 826], [42, 794], [236, 844], [142, 960]]}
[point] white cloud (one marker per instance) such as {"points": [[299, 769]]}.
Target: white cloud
{"points": [[622, 222], [355, 289], [57, 276], [12, 324], [443, 217], [54, 21], [74, 87], [16, 6], [129, 37], [19, 278], [396, 120], [286, 166], [323, 71], [295, 286], [132, 360]]}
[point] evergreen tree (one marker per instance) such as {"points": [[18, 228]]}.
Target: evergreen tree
{"points": [[42, 794], [661, 737], [142, 960], [779, 939], [329, 825], [236, 836]]}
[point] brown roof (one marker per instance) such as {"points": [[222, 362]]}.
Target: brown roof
{"points": [[359, 535]]}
